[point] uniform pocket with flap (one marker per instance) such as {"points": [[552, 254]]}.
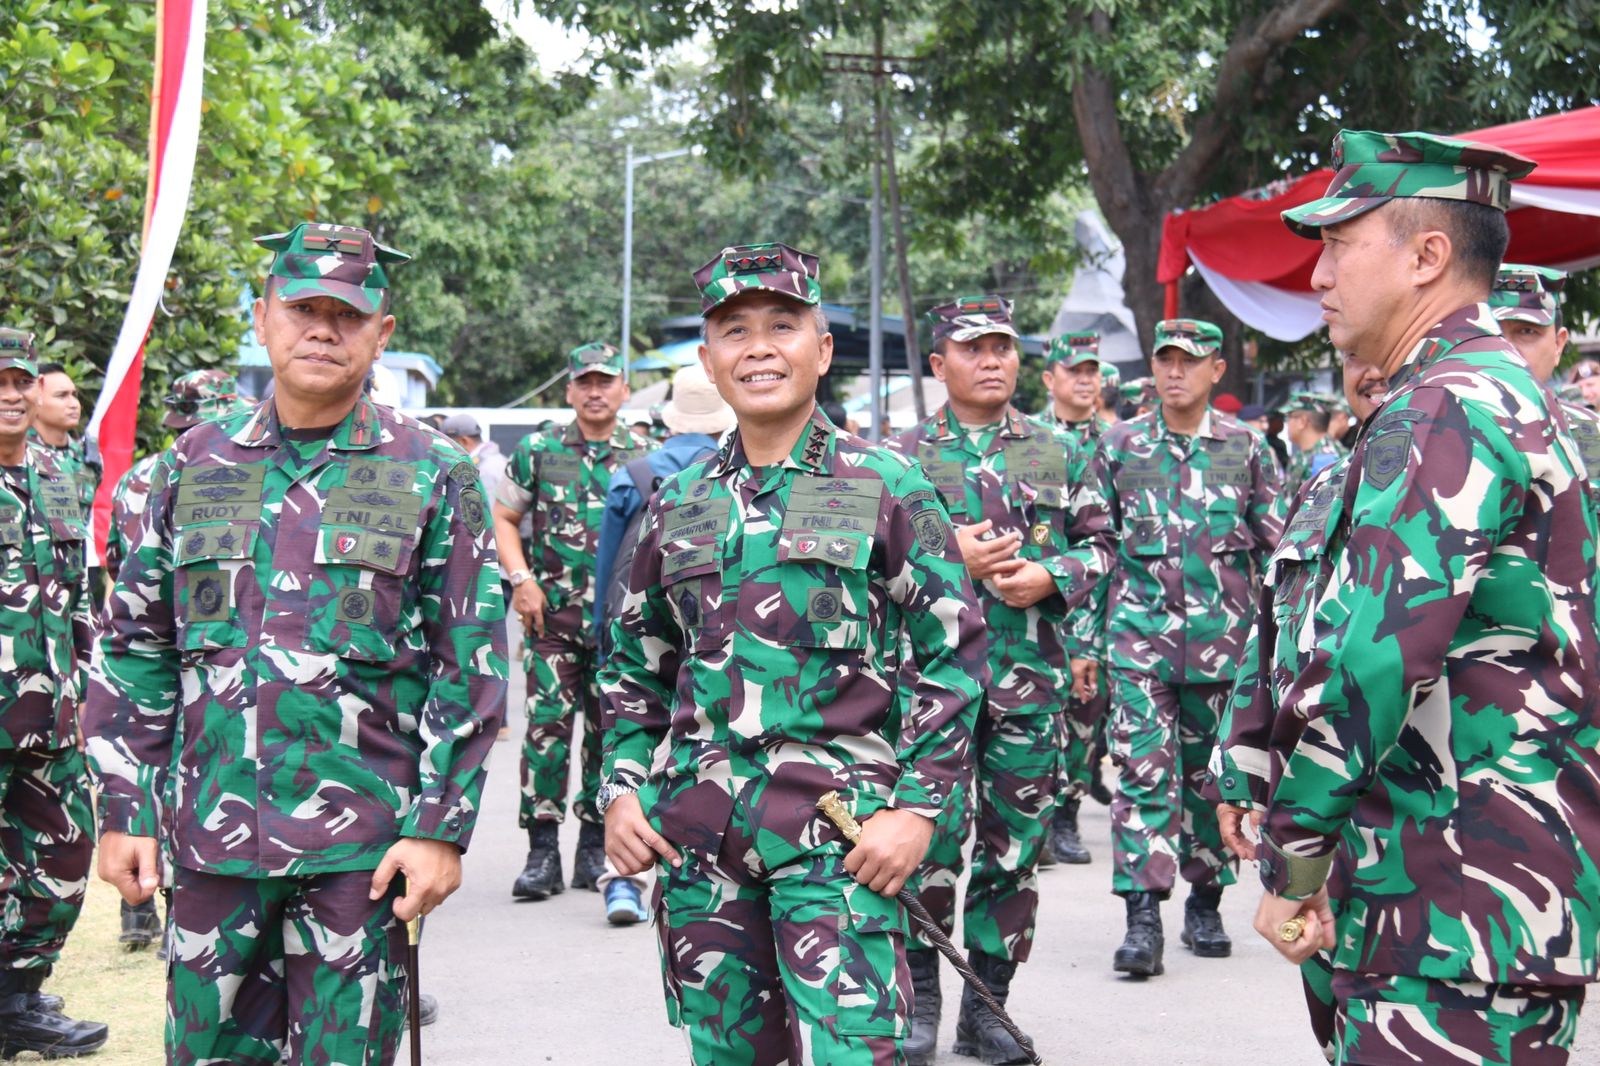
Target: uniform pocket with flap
{"points": [[212, 575]]}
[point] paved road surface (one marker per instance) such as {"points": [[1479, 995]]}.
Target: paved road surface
{"points": [[550, 982]]}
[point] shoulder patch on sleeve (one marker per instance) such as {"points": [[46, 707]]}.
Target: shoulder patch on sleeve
{"points": [[464, 474], [1387, 454], [931, 529], [472, 515]]}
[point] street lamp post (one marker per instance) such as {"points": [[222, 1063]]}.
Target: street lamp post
{"points": [[630, 163]]}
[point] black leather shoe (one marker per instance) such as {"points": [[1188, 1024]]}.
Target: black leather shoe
{"points": [[1140, 953], [141, 925], [1202, 924], [1064, 839], [590, 861], [541, 875], [979, 1034], [922, 1045], [26, 1026]]}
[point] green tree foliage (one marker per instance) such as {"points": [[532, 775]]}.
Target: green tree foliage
{"points": [[1155, 106], [290, 131]]}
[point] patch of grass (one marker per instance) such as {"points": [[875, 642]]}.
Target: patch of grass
{"points": [[102, 982]]}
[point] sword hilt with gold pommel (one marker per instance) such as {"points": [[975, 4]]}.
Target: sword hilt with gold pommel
{"points": [[837, 813], [1291, 930]]}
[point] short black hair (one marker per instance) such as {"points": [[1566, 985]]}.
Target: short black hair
{"points": [[51, 368], [1110, 395], [1318, 420], [940, 345], [1478, 233]]}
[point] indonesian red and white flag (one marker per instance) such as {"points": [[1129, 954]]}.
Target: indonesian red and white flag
{"points": [[174, 138]]}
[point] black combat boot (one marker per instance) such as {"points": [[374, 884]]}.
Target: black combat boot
{"points": [[1140, 952], [1064, 837], [26, 1026], [427, 1011], [1047, 847], [923, 1043], [541, 877], [1202, 924], [979, 1034], [590, 860], [141, 925]]}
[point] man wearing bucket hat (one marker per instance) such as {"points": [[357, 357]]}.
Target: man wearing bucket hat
{"points": [[773, 588], [1432, 819], [559, 478], [1193, 495], [47, 839], [1035, 543], [299, 678], [695, 417], [194, 397]]}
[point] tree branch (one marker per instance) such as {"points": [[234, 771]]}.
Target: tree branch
{"points": [[1115, 180], [1247, 55]]}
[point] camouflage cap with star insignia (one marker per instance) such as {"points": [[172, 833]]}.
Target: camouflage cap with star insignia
{"points": [[1074, 349], [594, 359], [1193, 335], [743, 268], [198, 396], [1527, 294], [967, 318], [1370, 169], [16, 350], [319, 259]]}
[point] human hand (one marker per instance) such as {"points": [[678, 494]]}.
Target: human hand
{"points": [[1318, 932], [1025, 586], [632, 844], [1085, 678], [892, 846], [1230, 819], [432, 869], [128, 863], [985, 558], [528, 600]]}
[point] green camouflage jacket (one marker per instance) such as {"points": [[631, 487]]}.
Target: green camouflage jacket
{"points": [[127, 504], [1302, 464], [563, 480], [1196, 518], [1440, 748], [46, 625], [759, 637], [76, 461], [1030, 479], [308, 639], [1087, 433], [1280, 637]]}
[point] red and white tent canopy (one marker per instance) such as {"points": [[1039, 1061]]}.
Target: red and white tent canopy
{"points": [[1262, 272]]}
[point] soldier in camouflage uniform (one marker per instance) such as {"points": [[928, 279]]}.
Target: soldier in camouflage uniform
{"points": [[1527, 303], [193, 398], [305, 649], [57, 414], [772, 586], [1432, 812], [1073, 377], [1311, 449], [1015, 489], [46, 829], [561, 477], [1192, 494], [1278, 646]]}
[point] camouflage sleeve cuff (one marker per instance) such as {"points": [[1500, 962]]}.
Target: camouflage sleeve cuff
{"points": [[1292, 876], [915, 793], [514, 496], [1058, 569], [437, 821], [1240, 781], [126, 814]]}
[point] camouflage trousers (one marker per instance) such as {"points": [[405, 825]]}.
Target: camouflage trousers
{"points": [[1316, 981], [47, 840], [1081, 725], [790, 966], [561, 689], [1017, 763], [305, 970], [1384, 1019], [1161, 825]]}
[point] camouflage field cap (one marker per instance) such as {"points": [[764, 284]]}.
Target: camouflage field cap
{"points": [[1370, 169], [1074, 349], [319, 259], [198, 396], [1527, 294], [1141, 391], [758, 268], [1315, 402], [1109, 374], [970, 317], [16, 350], [1193, 335], [594, 359]]}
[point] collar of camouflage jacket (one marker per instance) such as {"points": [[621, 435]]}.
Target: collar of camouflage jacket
{"points": [[1208, 426], [358, 432], [621, 436], [813, 449], [1459, 326], [944, 425]]}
